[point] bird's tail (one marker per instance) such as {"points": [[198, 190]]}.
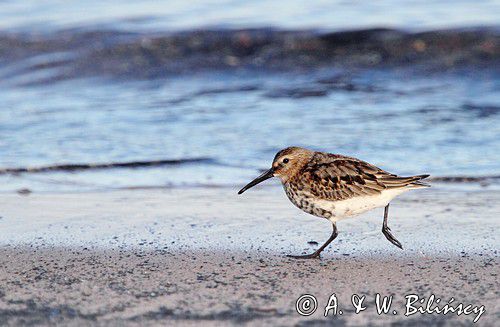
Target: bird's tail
{"points": [[409, 182], [418, 182]]}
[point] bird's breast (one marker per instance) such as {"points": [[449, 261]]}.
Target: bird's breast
{"points": [[306, 201]]}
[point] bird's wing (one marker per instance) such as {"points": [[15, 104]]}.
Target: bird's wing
{"points": [[336, 178]]}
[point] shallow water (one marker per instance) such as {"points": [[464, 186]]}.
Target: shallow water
{"points": [[77, 91], [442, 125]]}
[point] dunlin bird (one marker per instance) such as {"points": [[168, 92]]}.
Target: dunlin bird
{"points": [[335, 187]]}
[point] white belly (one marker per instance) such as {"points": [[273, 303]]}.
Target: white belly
{"points": [[355, 206]]}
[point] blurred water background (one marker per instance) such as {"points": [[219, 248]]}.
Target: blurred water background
{"points": [[103, 95]]}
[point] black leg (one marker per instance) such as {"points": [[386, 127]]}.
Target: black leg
{"points": [[316, 253], [387, 231]]}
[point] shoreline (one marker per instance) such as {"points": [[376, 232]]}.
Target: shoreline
{"points": [[458, 183], [125, 217], [209, 256]]}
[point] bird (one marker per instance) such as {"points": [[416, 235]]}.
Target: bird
{"points": [[335, 187]]}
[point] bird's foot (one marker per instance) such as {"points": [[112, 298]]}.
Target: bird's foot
{"points": [[307, 256], [388, 235]]}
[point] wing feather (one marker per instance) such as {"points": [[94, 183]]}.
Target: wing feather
{"points": [[337, 177]]}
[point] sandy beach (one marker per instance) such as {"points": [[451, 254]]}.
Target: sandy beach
{"points": [[127, 129], [150, 257]]}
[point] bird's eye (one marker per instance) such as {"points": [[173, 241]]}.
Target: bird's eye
{"points": [[285, 160]]}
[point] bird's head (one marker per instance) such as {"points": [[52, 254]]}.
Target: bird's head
{"points": [[286, 164]]}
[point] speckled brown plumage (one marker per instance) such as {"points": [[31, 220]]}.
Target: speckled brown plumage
{"points": [[334, 186], [337, 177]]}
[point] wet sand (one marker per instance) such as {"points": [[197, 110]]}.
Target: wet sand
{"points": [[190, 256]]}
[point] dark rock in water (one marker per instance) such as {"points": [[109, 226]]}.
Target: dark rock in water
{"points": [[75, 53]]}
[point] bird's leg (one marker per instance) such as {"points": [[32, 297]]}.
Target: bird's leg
{"points": [[387, 231], [316, 253]]}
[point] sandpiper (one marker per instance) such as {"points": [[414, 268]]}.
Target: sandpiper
{"points": [[335, 187]]}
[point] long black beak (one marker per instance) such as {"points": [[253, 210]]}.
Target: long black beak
{"points": [[268, 174]]}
